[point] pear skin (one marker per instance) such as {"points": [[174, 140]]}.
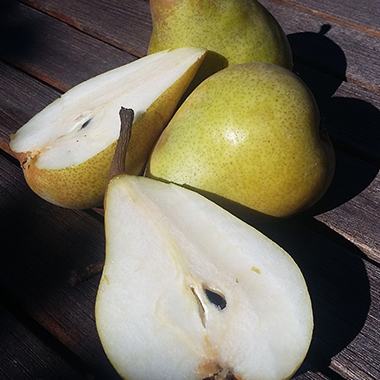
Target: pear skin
{"points": [[234, 32], [250, 134]]}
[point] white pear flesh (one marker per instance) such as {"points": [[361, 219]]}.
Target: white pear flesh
{"points": [[55, 147], [165, 246]]}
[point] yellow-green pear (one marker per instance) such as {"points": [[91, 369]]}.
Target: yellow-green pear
{"points": [[190, 292], [250, 134], [234, 32], [67, 148]]}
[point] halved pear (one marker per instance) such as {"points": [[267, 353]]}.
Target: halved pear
{"points": [[189, 291], [67, 148]]}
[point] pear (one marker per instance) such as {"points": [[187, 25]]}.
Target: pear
{"points": [[234, 31], [189, 291], [251, 136], [67, 148]]}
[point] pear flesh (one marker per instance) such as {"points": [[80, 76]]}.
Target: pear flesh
{"points": [[66, 149], [249, 135], [189, 291]]}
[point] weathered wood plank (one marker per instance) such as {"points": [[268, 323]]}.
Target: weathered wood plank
{"points": [[364, 350], [363, 15], [51, 50], [41, 245], [355, 53], [126, 24], [342, 50], [24, 355], [350, 113], [353, 205], [21, 97]]}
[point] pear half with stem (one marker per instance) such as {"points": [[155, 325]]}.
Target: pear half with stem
{"points": [[66, 149], [189, 291]]}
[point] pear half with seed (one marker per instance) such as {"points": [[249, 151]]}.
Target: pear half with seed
{"points": [[189, 291], [66, 149]]}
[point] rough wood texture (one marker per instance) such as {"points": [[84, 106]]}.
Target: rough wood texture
{"points": [[344, 52], [48, 47], [350, 13], [360, 360], [42, 244], [52, 50], [24, 355], [126, 25], [23, 97], [350, 113], [357, 217]]}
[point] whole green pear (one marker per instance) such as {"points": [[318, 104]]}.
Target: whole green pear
{"points": [[249, 134], [233, 31]]}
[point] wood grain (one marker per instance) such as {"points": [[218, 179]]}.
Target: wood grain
{"points": [[126, 24], [53, 51], [350, 12], [356, 47], [337, 49], [41, 245], [23, 97], [360, 359], [25, 356]]}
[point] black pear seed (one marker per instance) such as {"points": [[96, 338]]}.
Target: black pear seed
{"points": [[217, 299], [85, 124]]}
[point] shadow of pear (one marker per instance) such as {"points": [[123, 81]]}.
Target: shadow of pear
{"points": [[212, 63], [352, 124], [315, 52]]}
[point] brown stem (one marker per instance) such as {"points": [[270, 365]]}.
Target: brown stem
{"points": [[117, 167], [118, 161]]}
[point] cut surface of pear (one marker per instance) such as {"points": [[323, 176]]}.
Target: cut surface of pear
{"points": [[189, 291], [250, 134], [66, 149]]}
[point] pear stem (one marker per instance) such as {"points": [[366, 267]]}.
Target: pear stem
{"points": [[118, 160], [117, 168]]}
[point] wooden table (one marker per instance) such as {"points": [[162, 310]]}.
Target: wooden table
{"points": [[47, 328]]}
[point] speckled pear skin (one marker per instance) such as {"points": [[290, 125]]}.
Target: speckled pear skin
{"points": [[249, 134], [234, 31], [83, 186], [77, 187]]}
